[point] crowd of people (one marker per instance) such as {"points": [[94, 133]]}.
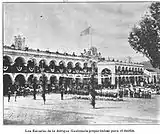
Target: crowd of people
{"points": [[15, 90], [80, 89]]}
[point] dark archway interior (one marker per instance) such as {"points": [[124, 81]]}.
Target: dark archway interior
{"points": [[7, 61], [20, 80], [19, 61], [106, 71], [7, 81], [53, 79]]}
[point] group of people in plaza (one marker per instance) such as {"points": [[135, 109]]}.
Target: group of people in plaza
{"points": [[90, 87], [17, 90], [13, 89]]}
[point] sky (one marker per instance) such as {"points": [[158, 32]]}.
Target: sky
{"points": [[57, 26]]}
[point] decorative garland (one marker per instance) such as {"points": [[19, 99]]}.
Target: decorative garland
{"points": [[5, 68], [19, 68], [77, 70], [61, 70], [31, 69], [85, 70], [52, 69], [69, 70]]}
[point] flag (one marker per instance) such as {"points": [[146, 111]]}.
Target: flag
{"points": [[86, 31]]}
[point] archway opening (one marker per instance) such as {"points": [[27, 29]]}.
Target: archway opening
{"points": [[7, 82], [61, 66], [30, 79], [77, 67], [106, 82], [52, 66], [6, 63], [20, 80], [31, 65], [42, 65], [69, 67], [53, 84], [53, 79], [19, 64]]}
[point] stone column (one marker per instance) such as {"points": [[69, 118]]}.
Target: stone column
{"points": [[99, 76], [113, 78]]}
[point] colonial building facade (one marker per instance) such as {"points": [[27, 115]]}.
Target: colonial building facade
{"points": [[21, 64]]}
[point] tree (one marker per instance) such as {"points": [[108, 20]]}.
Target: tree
{"points": [[145, 37]]}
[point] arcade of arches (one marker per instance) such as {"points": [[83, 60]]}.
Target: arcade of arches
{"points": [[21, 72]]}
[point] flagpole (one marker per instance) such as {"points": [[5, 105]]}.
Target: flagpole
{"points": [[90, 36]]}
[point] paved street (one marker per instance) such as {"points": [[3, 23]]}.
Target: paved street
{"points": [[77, 111]]}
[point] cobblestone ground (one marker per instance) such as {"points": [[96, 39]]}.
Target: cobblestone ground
{"points": [[77, 111]]}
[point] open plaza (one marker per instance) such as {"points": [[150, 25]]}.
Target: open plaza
{"points": [[71, 111], [123, 90]]}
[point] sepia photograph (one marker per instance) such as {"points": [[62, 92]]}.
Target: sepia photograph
{"points": [[81, 63]]}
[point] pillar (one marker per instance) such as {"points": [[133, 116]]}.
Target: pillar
{"points": [[113, 78], [99, 76]]}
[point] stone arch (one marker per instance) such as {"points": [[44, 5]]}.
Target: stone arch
{"points": [[43, 60], [154, 79], [127, 80], [29, 78], [106, 71], [123, 80], [53, 79], [8, 59], [7, 82], [53, 61], [123, 68], [42, 64], [62, 62], [19, 64], [61, 80], [78, 63], [70, 63], [40, 77], [94, 64], [20, 79], [20, 60], [52, 65], [7, 63], [33, 60], [31, 64], [85, 65], [135, 69], [70, 66], [119, 68], [126, 68]]}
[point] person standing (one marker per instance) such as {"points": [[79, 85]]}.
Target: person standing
{"points": [[93, 97], [62, 91], [44, 91], [15, 94], [44, 96], [24, 91], [9, 93], [34, 91]]}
